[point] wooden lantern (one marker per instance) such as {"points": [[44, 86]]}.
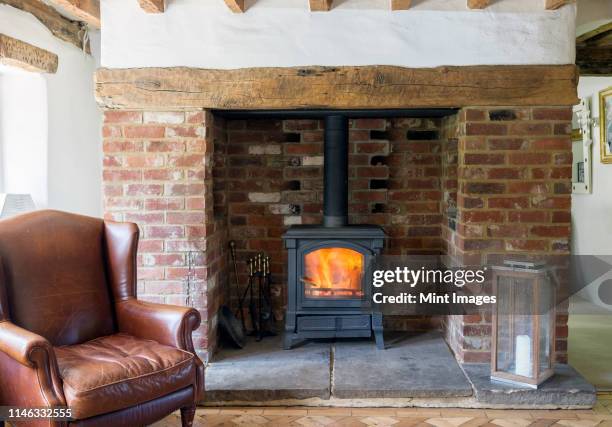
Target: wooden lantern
{"points": [[523, 324]]}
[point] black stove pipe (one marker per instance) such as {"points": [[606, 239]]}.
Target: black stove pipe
{"points": [[335, 175]]}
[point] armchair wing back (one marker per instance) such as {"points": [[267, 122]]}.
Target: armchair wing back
{"points": [[55, 276]]}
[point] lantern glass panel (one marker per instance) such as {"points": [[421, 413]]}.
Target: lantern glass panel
{"points": [[546, 323], [515, 326]]}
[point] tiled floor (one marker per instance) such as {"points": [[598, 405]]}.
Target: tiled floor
{"points": [[600, 416]]}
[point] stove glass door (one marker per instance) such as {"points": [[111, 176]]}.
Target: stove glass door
{"points": [[333, 272]]}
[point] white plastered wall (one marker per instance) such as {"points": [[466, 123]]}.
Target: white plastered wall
{"points": [[50, 125], [592, 213], [283, 33]]}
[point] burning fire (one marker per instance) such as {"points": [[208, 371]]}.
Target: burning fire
{"points": [[333, 272]]}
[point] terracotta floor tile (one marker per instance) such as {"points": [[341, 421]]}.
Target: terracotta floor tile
{"points": [[429, 412], [577, 423], [461, 412], [340, 412], [512, 422], [510, 413], [543, 422], [476, 422], [243, 410], [557, 414], [379, 421], [398, 417], [411, 422], [380, 412], [285, 411], [315, 421], [208, 411], [448, 421]]}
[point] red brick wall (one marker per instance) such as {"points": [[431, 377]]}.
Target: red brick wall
{"points": [[156, 172], [514, 197]]}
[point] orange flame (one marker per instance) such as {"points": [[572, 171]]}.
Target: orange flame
{"points": [[333, 271]]}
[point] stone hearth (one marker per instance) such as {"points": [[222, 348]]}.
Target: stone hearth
{"points": [[415, 370]]}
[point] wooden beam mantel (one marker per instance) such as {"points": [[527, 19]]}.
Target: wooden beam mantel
{"points": [[82, 10], [152, 6], [335, 87], [17, 53]]}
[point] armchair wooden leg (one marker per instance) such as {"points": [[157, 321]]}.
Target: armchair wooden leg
{"points": [[187, 416]]}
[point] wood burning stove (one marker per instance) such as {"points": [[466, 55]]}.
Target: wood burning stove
{"points": [[328, 280]]}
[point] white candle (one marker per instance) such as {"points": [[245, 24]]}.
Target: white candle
{"points": [[523, 356]]}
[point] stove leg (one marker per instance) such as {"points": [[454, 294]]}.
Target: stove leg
{"points": [[287, 341], [290, 324], [377, 328]]}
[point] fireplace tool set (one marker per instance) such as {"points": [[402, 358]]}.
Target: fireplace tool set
{"points": [[259, 306]]}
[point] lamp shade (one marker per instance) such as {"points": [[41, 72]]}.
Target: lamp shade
{"points": [[13, 204]]}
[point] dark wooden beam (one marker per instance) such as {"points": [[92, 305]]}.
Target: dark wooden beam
{"points": [[594, 51], [598, 32], [152, 6], [17, 53], [594, 60], [61, 27], [87, 11], [336, 87]]}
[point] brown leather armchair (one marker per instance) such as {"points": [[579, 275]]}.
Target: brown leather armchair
{"points": [[72, 332]]}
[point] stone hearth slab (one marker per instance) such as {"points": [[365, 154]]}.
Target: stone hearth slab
{"points": [[566, 389], [410, 366], [264, 371]]}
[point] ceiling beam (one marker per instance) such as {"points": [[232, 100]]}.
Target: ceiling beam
{"points": [[556, 4], [400, 4], [87, 11], [236, 6], [478, 4], [605, 28], [152, 6], [61, 27], [594, 60], [320, 5], [17, 53]]}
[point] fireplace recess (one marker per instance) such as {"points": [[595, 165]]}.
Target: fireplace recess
{"points": [[327, 278]]}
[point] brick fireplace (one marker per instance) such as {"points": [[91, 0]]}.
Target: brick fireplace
{"points": [[193, 181], [490, 180]]}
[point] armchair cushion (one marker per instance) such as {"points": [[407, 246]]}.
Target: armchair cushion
{"points": [[118, 371]]}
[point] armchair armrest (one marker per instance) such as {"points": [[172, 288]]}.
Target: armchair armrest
{"points": [[167, 324], [22, 345], [28, 368]]}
